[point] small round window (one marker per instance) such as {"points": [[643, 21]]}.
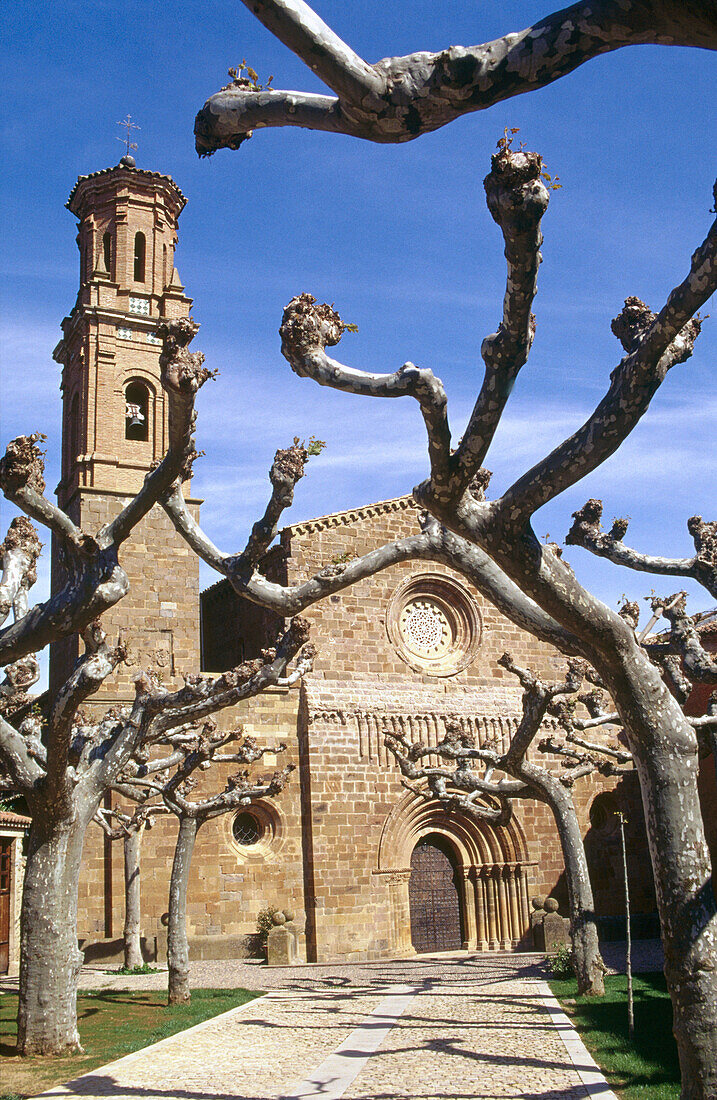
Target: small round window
{"points": [[246, 829]]}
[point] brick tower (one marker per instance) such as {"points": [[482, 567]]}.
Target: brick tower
{"points": [[114, 412]]}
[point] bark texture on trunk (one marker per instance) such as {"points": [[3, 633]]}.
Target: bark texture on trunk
{"points": [[132, 895], [177, 946], [586, 958], [664, 747], [50, 961]]}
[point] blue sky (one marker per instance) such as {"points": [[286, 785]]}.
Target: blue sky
{"points": [[398, 237]]}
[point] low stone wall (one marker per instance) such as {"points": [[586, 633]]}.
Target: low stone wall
{"points": [[154, 948]]}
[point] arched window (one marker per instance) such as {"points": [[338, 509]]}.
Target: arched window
{"points": [[137, 411], [107, 252], [140, 252], [74, 432]]}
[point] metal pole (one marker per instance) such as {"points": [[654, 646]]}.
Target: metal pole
{"points": [[628, 953]]}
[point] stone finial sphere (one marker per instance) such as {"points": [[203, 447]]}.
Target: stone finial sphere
{"points": [[278, 918], [550, 905], [537, 903]]}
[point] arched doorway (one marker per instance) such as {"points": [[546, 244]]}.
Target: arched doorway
{"points": [[433, 896], [489, 869]]}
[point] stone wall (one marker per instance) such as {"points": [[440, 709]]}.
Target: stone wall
{"points": [[229, 883], [351, 628], [337, 849]]}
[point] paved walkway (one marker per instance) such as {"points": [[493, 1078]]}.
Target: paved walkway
{"points": [[464, 1027]]}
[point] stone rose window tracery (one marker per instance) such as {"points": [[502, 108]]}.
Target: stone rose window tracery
{"points": [[426, 628], [434, 624]]}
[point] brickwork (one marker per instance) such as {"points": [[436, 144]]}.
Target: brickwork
{"points": [[109, 346]]}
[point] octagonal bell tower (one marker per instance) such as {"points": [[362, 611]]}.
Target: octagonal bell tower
{"points": [[115, 413]]}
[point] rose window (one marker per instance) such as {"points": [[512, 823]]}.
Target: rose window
{"points": [[426, 628], [434, 624]]}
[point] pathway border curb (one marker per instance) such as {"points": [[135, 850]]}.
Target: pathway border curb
{"points": [[62, 1090], [583, 1062]]}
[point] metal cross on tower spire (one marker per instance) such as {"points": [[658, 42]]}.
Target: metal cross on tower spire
{"points": [[129, 126]]}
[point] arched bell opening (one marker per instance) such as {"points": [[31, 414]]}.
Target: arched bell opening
{"points": [[140, 257], [138, 400]]}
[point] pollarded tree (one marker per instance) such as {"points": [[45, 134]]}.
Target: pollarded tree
{"points": [[117, 825], [493, 543], [467, 781], [60, 765], [63, 763], [172, 781]]}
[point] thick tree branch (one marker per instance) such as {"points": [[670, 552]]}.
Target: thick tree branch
{"points": [[308, 327], [587, 532], [398, 98], [654, 344], [19, 552], [17, 758], [93, 667], [298, 27], [22, 481], [287, 469], [204, 695], [699, 665], [517, 199]]}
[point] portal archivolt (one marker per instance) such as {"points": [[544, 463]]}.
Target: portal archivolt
{"points": [[491, 873]]}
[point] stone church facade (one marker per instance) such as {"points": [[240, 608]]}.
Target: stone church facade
{"points": [[370, 868]]}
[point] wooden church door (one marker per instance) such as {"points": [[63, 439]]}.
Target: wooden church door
{"points": [[433, 898]]}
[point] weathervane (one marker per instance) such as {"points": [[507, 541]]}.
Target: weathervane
{"points": [[129, 126]]}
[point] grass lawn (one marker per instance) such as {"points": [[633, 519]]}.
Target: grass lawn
{"points": [[112, 1023], [647, 1068]]}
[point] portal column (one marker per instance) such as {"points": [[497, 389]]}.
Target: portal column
{"points": [[490, 897], [503, 910], [400, 912], [481, 934], [524, 901], [516, 931], [468, 903]]}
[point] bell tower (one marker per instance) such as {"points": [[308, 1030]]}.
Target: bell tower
{"points": [[114, 412]]}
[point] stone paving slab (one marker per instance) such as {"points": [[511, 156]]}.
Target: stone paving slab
{"points": [[461, 1028], [250, 1053], [497, 1042]]}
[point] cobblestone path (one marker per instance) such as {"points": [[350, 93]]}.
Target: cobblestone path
{"points": [[461, 1028]]}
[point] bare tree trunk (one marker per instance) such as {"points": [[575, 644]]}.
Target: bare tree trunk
{"points": [[177, 946], [587, 961], [132, 896], [664, 747], [50, 961]]}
